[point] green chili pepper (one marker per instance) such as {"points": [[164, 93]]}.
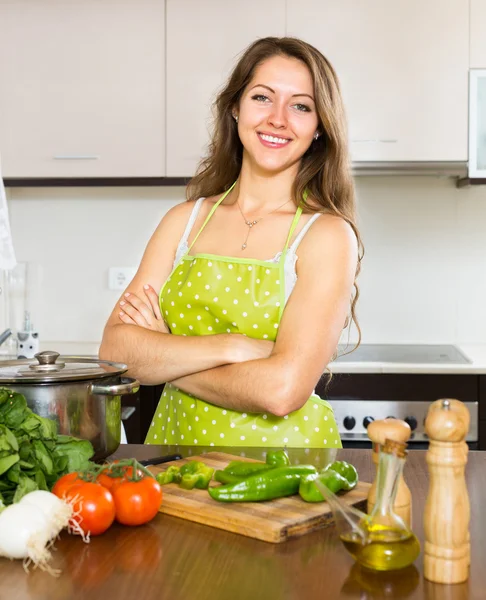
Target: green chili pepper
{"points": [[242, 468], [348, 471], [338, 476], [309, 491], [277, 458], [224, 477], [274, 483]]}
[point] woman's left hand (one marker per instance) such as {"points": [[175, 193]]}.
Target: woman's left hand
{"points": [[143, 312]]}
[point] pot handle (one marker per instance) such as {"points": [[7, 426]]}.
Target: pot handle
{"points": [[127, 386]]}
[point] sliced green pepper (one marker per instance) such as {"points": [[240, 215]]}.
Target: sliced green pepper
{"points": [[189, 481], [274, 483], [195, 474], [277, 458], [242, 468], [191, 466], [348, 471], [204, 475], [171, 475]]}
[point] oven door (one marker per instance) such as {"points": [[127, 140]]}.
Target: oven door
{"points": [[359, 399]]}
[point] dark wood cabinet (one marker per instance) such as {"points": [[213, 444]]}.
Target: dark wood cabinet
{"points": [[149, 399]]}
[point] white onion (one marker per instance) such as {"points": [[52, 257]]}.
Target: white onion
{"points": [[25, 533], [57, 512]]}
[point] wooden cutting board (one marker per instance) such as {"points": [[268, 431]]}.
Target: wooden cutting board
{"points": [[271, 521]]}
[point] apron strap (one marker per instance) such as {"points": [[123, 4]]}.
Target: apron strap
{"points": [[210, 215], [295, 220]]}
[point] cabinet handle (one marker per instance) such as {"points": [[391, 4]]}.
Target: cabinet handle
{"points": [[76, 157], [127, 412]]}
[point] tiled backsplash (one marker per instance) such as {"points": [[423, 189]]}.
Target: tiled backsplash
{"points": [[423, 277]]}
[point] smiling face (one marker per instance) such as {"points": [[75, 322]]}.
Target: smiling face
{"points": [[277, 114]]}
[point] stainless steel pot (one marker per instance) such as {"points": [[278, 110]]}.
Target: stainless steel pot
{"points": [[83, 395]]}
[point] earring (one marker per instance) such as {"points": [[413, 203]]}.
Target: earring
{"points": [[235, 117], [316, 135]]}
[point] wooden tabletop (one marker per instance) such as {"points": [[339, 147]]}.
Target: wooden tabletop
{"points": [[174, 559]]}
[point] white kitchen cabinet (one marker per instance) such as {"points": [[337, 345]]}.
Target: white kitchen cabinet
{"points": [[82, 88], [477, 123], [478, 34], [403, 68], [204, 38]]}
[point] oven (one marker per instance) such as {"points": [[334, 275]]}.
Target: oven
{"points": [[358, 398]]}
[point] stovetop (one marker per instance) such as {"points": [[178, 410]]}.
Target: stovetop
{"points": [[404, 353]]}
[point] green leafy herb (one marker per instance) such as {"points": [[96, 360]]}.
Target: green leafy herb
{"points": [[32, 455]]}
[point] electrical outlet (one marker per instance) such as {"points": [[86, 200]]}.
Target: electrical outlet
{"points": [[120, 277]]}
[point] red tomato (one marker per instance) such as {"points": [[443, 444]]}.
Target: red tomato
{"points": [[65, 482], [95, 507], [137, 502], [109, 481]]}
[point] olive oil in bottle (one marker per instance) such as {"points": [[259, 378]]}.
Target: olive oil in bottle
{"points": [[383, 549], [382, 540]]}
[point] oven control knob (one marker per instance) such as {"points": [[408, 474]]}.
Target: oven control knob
{"points": [[367, 421], [412, 421], [349, 423]]}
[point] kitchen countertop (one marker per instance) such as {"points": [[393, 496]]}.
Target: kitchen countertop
{"points": [[174, 559]]}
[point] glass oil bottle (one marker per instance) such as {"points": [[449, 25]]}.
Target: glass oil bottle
{"points": [[380, 541]]}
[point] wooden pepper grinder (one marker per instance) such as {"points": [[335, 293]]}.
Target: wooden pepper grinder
{"points": [[446, 516], [397, 431]]}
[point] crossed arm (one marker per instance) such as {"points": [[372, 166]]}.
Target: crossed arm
{"points": [[237, 372]]}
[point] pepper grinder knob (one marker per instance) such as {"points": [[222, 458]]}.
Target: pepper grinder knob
{"points": [[447, 512], [397, 431]]}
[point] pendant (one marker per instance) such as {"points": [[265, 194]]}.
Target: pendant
{"points": [[243, 246]]}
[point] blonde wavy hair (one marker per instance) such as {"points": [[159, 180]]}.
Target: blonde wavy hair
{"points": [[325, 169]]}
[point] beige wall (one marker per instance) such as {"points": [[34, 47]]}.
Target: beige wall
{"points": [[423, 277]]}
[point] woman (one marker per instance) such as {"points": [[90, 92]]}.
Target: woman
{"points": [[242, 338]]}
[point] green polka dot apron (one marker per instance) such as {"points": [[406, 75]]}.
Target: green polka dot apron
{"points": [[208, 294]]}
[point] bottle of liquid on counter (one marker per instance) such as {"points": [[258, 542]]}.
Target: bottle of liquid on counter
{"points": [[447, 512], [381, 541], [397, 431]]}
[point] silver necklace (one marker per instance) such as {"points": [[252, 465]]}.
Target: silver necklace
{"points": [[251, 224]]}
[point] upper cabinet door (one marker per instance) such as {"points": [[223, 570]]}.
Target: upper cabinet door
{"points": [[204, 39], [478, 34], [83, 88], [403, 68]]}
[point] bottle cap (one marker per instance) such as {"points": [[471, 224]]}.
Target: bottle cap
{"points": [[397, 448]]}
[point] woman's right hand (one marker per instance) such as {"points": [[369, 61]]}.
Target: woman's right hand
{"points": [[243, 348], [144, 313]]}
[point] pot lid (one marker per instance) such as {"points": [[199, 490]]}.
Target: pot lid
{"points": [[49, 366]]}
